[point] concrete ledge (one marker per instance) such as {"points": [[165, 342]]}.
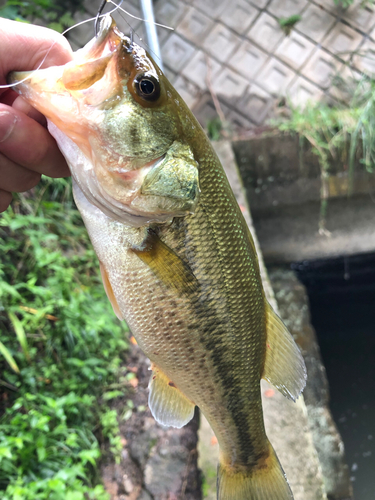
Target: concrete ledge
{"points": [[291, 234], [282, 180], [294, 309]]}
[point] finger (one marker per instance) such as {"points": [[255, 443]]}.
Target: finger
{"points": [[24, 47], [16, 178], [5, 199], [24, 107], [29, 144], [8, 97]]}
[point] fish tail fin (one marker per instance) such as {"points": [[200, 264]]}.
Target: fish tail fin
{"points": [[266, 482]]}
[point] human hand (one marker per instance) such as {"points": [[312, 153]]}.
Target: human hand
{"points": [[27, 150]]}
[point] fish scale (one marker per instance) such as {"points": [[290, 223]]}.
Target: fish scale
{"points": [[177, 258], [240, 318]]}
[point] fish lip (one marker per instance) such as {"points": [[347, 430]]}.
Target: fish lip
{"points": [[17, 77], [105, 43], [104, 28]]}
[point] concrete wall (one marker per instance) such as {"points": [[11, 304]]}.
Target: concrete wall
{"points": [[252, 60], [283, 186]]}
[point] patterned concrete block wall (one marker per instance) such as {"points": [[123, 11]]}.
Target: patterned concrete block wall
{"points": [[238, 50]]}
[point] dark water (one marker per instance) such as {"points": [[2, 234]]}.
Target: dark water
{"points": [[342, 298]]}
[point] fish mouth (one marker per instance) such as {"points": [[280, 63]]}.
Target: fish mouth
{"points": [[105, 25], [90, 79], [88, 65], [105, 43], [94, 110], [92, 50]]}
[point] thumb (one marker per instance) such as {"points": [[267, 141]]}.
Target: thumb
{"points": [[24, 46]]}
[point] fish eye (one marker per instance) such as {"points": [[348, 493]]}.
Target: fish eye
{"points": [[147, 87]]}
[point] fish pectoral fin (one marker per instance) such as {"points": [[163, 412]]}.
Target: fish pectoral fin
{"points": [[284, 365], [167, 266], [168, 405], [109, 291]]}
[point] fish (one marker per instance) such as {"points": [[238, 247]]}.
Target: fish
{"points": [[176, 256]]}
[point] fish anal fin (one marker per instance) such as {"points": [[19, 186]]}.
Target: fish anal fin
{"points": [[167, 265], [109, 291], [284, 366], [168, 405]]}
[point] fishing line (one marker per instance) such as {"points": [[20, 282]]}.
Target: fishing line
{"points": [[100, 10], [96, 18], [133, 32], [118, 7], [10, 85], [139, 18]]}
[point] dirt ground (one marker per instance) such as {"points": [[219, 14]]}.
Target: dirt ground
{"points": [[156, 463]]}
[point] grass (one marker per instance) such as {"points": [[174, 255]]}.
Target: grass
{"points": [[288, 23], [60, 352], [343, 133], [55, 14], [347, 3]]}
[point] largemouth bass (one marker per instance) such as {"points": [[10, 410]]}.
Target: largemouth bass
{"points": [[176, 256]]}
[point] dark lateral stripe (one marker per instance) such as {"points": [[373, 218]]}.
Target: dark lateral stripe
{"points": [[213, 337], [213, 331]]}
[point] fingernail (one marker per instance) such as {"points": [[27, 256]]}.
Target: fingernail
{"points": [[7, 123]]}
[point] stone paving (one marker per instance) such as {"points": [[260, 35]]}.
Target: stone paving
{"points": [[251, 60]]}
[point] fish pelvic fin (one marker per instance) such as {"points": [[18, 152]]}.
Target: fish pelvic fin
{"points": [[109, 291], [168, 405], [267, 481], [284, 366]]}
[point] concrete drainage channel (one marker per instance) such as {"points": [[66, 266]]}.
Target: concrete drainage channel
{"points": [[282, 181], [304, 434], [173, 464], [342, 296]]}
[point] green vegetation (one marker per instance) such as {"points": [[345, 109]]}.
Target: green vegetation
{"points": [[287, 23], [347, 3], [344, 132], [60, 352], [214, 128], [55, 14], [339, 130], [208, 481], [344, 3]]}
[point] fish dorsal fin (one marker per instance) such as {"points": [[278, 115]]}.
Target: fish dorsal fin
{"points": [[284, 365], [167, 403], [167, 265], [109, 291]]}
